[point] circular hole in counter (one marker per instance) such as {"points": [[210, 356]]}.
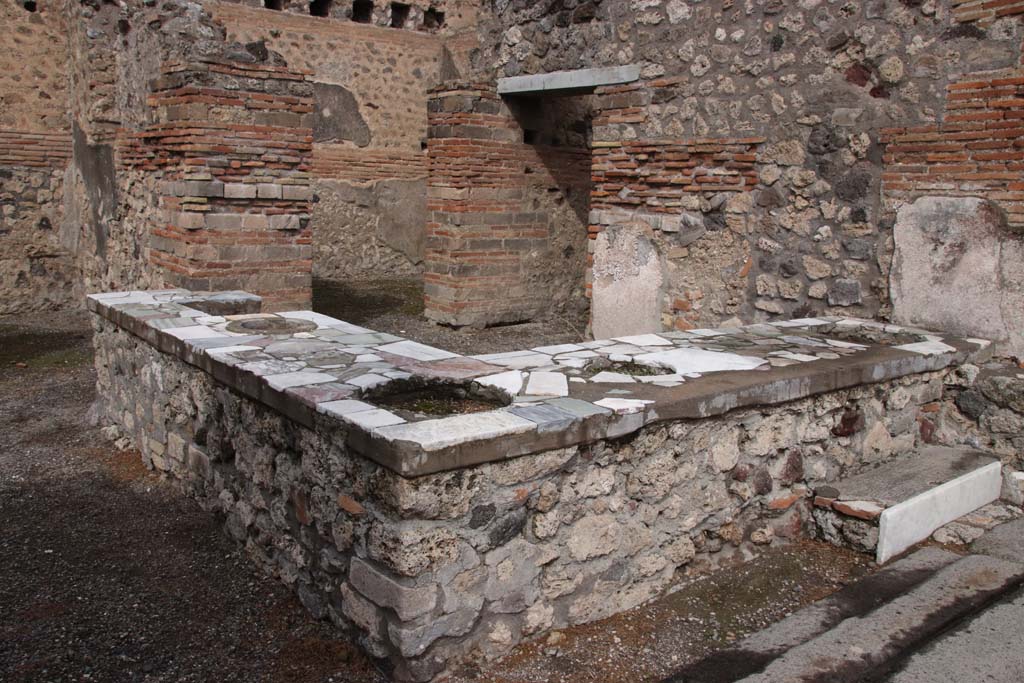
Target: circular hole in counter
{"points": [[418, 398]]}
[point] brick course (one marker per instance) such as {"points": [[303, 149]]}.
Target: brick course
{"points": [[977, 149], [232, 159], [481, 233]]}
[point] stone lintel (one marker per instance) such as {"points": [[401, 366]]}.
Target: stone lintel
{"points": [[574, 82]]}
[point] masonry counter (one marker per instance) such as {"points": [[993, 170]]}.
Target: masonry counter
{"points": [[569, 482]]}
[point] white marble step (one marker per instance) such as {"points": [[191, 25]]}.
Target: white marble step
{"points": [[910, 496]]}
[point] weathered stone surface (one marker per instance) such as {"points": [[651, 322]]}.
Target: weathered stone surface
{"points": [[957, 267], [628, 281], [593, 537], [337, 116], [381, 589], [369, 231]]}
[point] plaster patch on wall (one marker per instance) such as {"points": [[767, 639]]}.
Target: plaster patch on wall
{"points": [[957, 267], [96, 164], [628, 279], [337, 116]]}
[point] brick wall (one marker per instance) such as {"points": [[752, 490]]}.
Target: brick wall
{"points": [[985, 11], [977, 149], [665, 182], [230, 148], [36, 267], [371, 85], [338, 162], [494, 249]]}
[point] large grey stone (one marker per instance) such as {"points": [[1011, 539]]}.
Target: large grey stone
{"points": [[1006, 541], [628, 279], [860, 645], [402, 208], [957, 267], [337, 116], [986, 648], [408, 602]]}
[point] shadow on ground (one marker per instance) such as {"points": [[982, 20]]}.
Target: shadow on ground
{"points": [[395, 305]]}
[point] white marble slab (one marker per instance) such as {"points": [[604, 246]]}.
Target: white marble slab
{"points": [[343, 407], [915, 519], [227, 350], [323, 321], [510, 382], [558, 348], [433, 435], [533, 360], [625, 349], [372, 419], [193, 332], [660, 379], [505, 355], [800, 322], [927, 348], [577, 354], [612, 377], [644, 340], [416, 351], [623, 406], [301, 378], [367, 381], [596, 344], [799, 357], [684, 361], [840, 344], [547, 384]]}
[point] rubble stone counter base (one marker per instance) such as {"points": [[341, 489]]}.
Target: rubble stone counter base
{"points": [[602, 469]]}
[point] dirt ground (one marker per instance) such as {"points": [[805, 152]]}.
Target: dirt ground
{"points": [[108, 574], [396, 306]]}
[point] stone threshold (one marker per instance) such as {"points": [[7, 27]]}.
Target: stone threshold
{"points": [[315, 369]]}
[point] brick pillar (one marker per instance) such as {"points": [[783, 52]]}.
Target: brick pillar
{"points": [[229, 148], [479, 232]]}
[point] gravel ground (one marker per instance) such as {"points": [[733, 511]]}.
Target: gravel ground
{"points": [[704, 613], [396, 306], [108, 574]]}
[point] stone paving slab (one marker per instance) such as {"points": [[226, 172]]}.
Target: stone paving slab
{"points": [[755, 652], [901, 478], [706, 372], [858, 645], [1005, 541], [904, 500], [986, 648]]}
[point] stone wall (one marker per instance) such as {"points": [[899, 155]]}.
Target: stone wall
{"points": [[111, 221], [469, 562], [508, 204], [370, 88], [36, 267], [191, 155], [229, 151], [816, 92]]}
